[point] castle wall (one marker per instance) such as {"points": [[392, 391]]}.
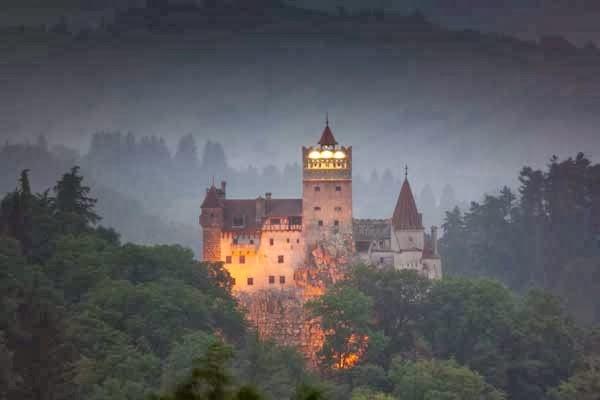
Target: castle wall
{"points": [[407, 239], [261, 259]]}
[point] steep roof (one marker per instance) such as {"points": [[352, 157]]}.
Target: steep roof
{"points": [[406, 215], [327, 138], [211, 200], [246, 209]]}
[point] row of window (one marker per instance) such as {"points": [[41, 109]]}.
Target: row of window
{"points": [[337, 209], [250, 281], [272, 241], [337, 188], [335, 223], [242, 259]]}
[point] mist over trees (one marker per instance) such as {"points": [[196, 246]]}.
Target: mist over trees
{"points": [[544, 234]]}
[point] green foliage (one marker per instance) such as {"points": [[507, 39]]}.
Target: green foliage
{"points": [[435, 379], [345, 314], [368, 394], [583, 385]]}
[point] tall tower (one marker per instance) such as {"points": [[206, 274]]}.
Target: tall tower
{"points": [[407, 233], [327, 192], [211, 221]]}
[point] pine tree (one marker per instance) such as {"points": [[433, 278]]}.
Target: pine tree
{"points": [[72, 202]]}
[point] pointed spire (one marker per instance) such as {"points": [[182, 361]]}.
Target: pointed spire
{"points": [[327, 138], [405, 172], [406, 215]]}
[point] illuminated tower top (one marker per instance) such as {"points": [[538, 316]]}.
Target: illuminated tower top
{"points": [[327, 160]]}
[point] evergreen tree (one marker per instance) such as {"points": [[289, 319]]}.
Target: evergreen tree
{"points": [[72, 202]]}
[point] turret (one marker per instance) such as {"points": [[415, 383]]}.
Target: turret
{"points": [[434, 240], [211, 220], [407, 222]]}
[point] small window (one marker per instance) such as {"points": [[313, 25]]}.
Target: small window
{"points": [[271, 280], [317, 188], [233, 281], [338, 209], [228, 260], [282, 280], [235, 240], [381, 260], [271, 242], [298, 241], [317, 208], [275, 221], [242, 259], [251, 241], [320, 223], [295, 220], [338, 188], [238, 222], [250, 281], [280, 259], [287, 240], [336, 223]]}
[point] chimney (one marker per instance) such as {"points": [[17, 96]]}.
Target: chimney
{"points": [[223, 188], [260, 210], [434, 240], [268, 196]]}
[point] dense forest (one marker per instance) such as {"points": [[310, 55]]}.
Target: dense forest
{"points": [[545, 235], [85, 316]]}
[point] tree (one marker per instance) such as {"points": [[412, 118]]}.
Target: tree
{"points": [[435, 379], [583, 385], [72, 201], [345, 314]]}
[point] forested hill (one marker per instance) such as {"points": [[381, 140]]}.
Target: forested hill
{"points": [[396, 86]]}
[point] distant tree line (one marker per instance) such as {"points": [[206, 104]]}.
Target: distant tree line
{"points": [[547, 235]]}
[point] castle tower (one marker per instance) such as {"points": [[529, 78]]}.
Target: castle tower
{"points": [[211, 220], [327, 192], [408, 233]]}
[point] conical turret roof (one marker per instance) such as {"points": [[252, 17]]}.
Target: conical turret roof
{"points": [[406, 215], [327, 138], [212, 199]]}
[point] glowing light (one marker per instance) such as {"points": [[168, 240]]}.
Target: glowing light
{"points": [[315, 155], [339, 155], [326, 154]]}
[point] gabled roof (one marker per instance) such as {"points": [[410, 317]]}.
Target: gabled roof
{"points": [[211, 200], [246, 209], [406, 215], [327, 138]]}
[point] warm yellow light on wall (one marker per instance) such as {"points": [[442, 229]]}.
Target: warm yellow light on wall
{"points": [[314, 155], [326, 154], [339, 155]]}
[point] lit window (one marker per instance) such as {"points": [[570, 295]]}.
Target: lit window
{"points": [[242, 259], [228, 260], [282, 279], [250, 281], [280, 259], [271, 279]]}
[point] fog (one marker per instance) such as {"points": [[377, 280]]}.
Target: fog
{"points": [[464, 110]]}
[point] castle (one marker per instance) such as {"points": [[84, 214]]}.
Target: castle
{"points": [[266, 243]]}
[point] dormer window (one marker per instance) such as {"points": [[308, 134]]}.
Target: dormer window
{"points": [[238, 222]]}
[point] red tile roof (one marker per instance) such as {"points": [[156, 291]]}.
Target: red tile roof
{"points": [[211, 200], [406, 215], [246, 208], [327, 138]]}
